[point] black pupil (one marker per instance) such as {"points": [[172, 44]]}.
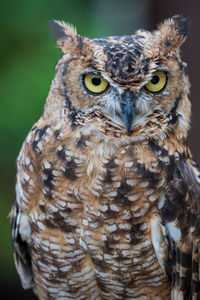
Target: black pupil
{"points": [[96, 80], [155, 79]]}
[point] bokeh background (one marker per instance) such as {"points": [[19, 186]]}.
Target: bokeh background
{"points": [[28, 56]]}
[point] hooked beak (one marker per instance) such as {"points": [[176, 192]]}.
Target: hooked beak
{"points": [[128, 109]]}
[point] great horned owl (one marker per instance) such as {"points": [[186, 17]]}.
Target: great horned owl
{"points": [[107, 192]]}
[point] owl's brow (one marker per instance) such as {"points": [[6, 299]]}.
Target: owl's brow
{"points": [[163, 69], [92, 67]]}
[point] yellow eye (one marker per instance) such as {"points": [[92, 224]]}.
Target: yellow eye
{"points": [[157, 83], [95, 83]]}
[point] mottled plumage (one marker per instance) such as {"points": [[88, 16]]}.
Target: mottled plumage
{"points": [[107, 192]]}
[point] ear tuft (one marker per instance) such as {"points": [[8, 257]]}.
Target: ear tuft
{"points": [[60, 30], [182, 25], [173, 32], [56, 29], [65, 35]]}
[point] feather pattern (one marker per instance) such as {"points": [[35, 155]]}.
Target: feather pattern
{"points": [[102, 212]]}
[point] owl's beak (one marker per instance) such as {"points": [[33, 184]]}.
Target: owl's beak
{"points": [[128, 109]]}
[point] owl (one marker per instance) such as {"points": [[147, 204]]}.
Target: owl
{"points": [[107, 192]]}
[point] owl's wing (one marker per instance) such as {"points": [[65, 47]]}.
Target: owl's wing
{"points": [[180, 216], [20, 246]]}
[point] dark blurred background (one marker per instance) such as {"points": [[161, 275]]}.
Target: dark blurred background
{"points": [[28, 56]]}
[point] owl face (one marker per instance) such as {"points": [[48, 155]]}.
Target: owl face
{"points": [[127, 78]]}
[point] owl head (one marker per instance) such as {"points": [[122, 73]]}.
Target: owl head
{"points": [[134, 81]]}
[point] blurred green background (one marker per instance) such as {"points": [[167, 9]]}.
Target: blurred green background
{"points": [[28, 56]]}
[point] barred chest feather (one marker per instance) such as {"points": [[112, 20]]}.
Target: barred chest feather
{"points": [[97, 202], [107, 191]]}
